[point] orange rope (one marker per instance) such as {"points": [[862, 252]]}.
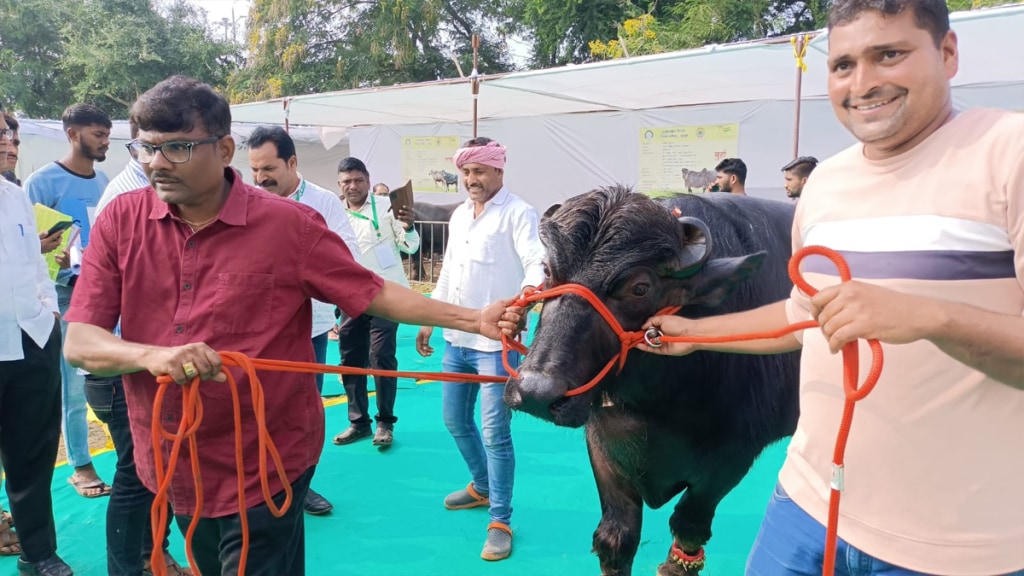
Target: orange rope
{"points": [[192, 407]]}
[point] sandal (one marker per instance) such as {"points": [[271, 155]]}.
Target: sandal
{"points": [[9, 543], [6, 518], [83, 487]]}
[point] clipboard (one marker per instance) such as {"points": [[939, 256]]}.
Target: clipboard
{"points": [[401, 197]]}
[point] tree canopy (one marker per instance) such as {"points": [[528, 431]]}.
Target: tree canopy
{"points": [[103, 52]]}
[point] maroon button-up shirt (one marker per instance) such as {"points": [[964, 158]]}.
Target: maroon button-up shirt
{"points": [[243, 283]]}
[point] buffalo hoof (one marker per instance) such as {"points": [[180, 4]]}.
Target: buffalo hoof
{"points": [[670, 568], [680, 563]]}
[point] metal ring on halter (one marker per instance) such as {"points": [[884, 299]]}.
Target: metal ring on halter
{"points": [[190, 370], [653, 337]]}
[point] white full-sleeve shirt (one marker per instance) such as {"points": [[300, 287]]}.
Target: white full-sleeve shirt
{"points": [[28, 299], [490, 257], [332, 208]]}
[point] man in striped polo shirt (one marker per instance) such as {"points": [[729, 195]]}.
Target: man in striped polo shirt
{"points": [[928, 209]]}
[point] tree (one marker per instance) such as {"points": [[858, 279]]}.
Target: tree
{"points": [[694, 23], [104, 52], [300, 47]]}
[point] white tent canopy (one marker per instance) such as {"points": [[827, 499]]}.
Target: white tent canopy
{"points": [[756, 71]]}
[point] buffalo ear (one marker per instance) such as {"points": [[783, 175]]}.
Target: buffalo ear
{"points": [[718, 278]]}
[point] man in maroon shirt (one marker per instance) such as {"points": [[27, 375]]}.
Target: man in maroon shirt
{"points": [[200, 262]]}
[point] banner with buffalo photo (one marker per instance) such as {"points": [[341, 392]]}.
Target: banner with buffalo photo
{"points": [[427, 162], [683, 158]]}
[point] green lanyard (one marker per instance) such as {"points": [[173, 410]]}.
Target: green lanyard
{"points": [[298, 195], [373, 207]]}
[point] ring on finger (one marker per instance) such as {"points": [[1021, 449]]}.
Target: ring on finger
{"points": [[190, 370]]}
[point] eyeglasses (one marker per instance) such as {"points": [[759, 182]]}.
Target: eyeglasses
{"points": [[174, 152], [7, 133]]}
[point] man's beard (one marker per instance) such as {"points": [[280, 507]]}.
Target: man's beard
{"points": [[94, 154]]}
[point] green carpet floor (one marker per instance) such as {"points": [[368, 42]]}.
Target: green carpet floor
{"points": [[389, 521]]}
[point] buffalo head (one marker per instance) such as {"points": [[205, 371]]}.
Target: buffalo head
{"points": [[638, 258]]}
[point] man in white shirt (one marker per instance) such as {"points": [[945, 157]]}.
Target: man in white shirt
{"points": [[494, 251], [30, 379], [383, 232], [275, 166]]}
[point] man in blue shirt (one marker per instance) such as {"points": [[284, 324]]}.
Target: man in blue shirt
{"points": [[73, 186]]}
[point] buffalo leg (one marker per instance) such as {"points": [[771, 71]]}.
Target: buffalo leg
{"points": [[618, 534], [690, 522]]}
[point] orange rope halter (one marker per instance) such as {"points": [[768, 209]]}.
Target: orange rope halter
{"points": [[192, 407]]}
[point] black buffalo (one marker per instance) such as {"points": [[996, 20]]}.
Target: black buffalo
{"points": [[664, 425], [433, 236]]}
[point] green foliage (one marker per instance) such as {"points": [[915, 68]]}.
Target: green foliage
{"points": [[104, 52], [305, 46]]}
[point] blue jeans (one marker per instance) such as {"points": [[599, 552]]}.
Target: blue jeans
{"points": [[320, 352], [73, 411], [792, 543], [491, 459]]}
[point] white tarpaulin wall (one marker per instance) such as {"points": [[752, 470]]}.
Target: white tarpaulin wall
{"points": [[551, 158], [318, 150]]}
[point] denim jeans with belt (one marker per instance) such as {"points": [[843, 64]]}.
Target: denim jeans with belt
{"points": [[491, 459], [129, 534], [792, 543]]}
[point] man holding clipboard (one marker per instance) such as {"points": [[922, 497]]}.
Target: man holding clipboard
{"points": [[383, 232]]}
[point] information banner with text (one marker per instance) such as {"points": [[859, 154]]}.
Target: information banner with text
{"points": [[427, 161], [683, 158]]}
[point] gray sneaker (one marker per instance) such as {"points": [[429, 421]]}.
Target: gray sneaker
{"points": [[499, 542], [466, 498]]}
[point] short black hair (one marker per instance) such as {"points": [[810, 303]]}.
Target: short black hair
{"points": [[351, 164], [275, 134], [177, 103], [930, 15], [12, 122], [802, 166], [82, 115], [479, 141], [733, 166]]}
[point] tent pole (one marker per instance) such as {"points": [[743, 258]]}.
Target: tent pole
{"points": [[799, 48], [475, 79]]}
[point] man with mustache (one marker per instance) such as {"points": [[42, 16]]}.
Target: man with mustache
{"points": [[274, 165], [367, 341], [928, 210], [7, 168], [200, 262], [494, 251], [73, 186], [29, 384]]}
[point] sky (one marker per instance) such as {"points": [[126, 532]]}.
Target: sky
{"points": [[217, 10]]}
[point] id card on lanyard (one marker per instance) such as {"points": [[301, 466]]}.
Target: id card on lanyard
{"points": [[385, 254]]}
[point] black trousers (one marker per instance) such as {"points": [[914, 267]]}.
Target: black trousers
{"points": [[277, 546], [368, 341], [29, 432], [129, 533]]}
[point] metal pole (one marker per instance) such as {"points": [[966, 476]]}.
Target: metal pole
{"points": [[476, 81], [799, 86], [799, 50]]}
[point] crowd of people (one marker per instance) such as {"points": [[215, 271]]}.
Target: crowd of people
{"points": [[152, 280]]}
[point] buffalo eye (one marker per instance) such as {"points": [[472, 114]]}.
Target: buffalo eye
{"points": [[640, 289], [547, 271]]}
